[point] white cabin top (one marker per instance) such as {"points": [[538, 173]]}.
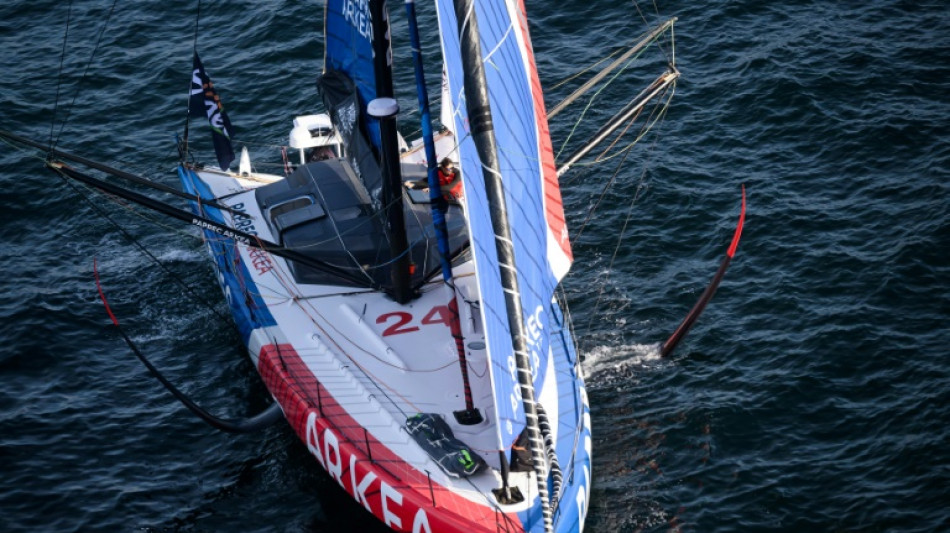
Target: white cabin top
{"points": [[313, 130], [317, 133]]}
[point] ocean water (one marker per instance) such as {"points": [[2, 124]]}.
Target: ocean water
{"points": [[812, 395]]}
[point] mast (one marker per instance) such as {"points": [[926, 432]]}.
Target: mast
{"points": [[385, 108], [483, 135]]}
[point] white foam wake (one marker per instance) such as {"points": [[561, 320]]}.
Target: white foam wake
{"points": [[606, 364]]}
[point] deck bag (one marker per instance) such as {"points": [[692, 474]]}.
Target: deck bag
{"points": [[435, 436], [521, 460]]}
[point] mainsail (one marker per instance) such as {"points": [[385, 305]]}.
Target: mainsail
{"points": [[348, 83], [532, 194], [349, 50]]}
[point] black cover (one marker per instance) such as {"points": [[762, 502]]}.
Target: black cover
{"points": [[436, 438], [307, 209], [521, 454], [343, 102]]}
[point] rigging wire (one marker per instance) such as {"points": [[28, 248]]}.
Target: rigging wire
{"points": [[651, 122], [336, 229], [185, 152], [131, 238], [92, 58], [589, 67], [659, 44], [647, 128], [78, 189], [651, 37], [626, 223], [59, 75], [593, 97], [197, 19], [144, 215]]}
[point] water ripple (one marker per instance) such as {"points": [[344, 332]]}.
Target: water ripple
{"points": [[810, 396]]}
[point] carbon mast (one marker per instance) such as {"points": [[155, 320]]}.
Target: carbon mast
{"points": [[482, 130], [385, 108]]}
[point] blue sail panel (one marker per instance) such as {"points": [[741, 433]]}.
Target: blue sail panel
{"points": [[535, 214], [349, 49]]}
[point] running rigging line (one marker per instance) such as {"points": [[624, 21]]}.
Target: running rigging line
{"points": [[633, 201], [631, 110], [59, 75], [131, 238], [92, 57]]}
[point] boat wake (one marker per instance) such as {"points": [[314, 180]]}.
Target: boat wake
{"points": [[180, 255], [614, 365]]}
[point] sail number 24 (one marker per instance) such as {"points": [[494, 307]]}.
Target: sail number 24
{"points": [[399, 322]]}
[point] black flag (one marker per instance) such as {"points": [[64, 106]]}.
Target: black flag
{"points": [[204, 101]]}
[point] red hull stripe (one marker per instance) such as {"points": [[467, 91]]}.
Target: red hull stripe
{"points": [[395, 492], [554, 205]]}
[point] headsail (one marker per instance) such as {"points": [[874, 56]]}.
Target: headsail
{"points": [[539, 234]]}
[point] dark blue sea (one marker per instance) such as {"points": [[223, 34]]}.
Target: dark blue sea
{"points": [[812, 395]]}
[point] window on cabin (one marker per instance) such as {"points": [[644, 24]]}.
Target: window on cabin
{"points": [[289, 205]]}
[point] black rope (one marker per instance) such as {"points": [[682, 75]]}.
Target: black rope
{"points": [[633, 202], [95, 50], [197, 18], [131, 238], [262, 420], [59, 76], [194, 48]]}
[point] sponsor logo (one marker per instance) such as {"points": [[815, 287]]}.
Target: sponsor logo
{"points": [[356, 12], [242, 221], [362, 480], [203, 224], [212, 102], [245, 223], [534, 328], [261, 260]]}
